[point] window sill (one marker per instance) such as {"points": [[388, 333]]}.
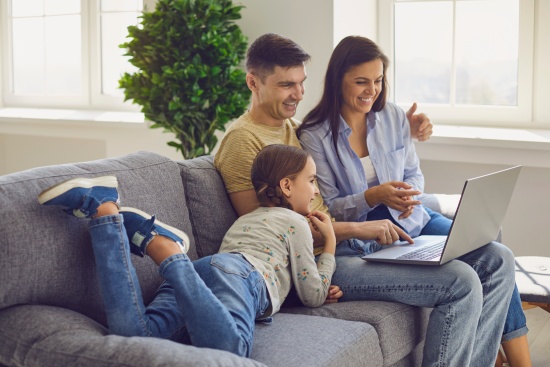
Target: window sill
{"points": [[487, 145], [35, 115], [467, 144]]}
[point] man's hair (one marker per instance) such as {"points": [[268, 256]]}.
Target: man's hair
{"points": [[270, 50], [271, 165]]}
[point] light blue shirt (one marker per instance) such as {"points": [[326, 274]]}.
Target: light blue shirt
{"points": [[342, 184]]}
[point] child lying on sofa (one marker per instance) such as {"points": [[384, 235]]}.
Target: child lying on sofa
{"points": [[218, 298]]}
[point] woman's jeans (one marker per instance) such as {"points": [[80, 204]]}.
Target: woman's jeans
{"points": [[468, 296], [215, 300]]}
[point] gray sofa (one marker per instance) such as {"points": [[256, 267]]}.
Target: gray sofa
{"points": [[51, 311]]}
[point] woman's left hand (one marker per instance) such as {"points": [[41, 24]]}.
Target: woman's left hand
{"points": [[334, 293]]}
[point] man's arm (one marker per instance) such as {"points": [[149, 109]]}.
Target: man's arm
{"points": [[382, 231], [421, 126]]}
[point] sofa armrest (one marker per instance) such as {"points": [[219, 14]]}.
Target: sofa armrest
{"points": [[445, 204], [35, 335]]}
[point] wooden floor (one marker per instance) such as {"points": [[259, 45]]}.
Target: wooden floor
{"points": [[538, 322]]}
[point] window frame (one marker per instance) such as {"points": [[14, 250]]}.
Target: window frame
{"points": [[92, 97], [518, 116]]}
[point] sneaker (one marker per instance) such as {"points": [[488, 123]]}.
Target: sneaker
{"points": [[142, 228], [82, 196]]}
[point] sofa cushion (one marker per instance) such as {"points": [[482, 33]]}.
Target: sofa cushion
{"points": [[210, 210], [297, 340], [400, 327], [34, 335], [47, 255]]}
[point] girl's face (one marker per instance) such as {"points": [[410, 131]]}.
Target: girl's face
{"points": [[361, 86], [301, 190]]}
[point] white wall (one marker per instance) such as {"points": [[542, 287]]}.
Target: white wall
{"points": [[308, 22]]}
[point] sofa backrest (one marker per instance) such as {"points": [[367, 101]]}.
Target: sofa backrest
{"points": [[210, 210], [46, 255]]}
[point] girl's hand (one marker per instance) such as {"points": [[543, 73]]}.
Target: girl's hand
{"points": [[334, 293], [322, 224], [394, 194]]}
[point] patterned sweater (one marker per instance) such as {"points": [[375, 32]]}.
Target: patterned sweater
{"points": [[278, 243]]}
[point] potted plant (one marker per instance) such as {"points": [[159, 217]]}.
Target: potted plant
{"points": [[188, 81]]}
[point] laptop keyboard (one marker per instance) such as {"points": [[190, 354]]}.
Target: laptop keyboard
{"points": [[425, 253]]}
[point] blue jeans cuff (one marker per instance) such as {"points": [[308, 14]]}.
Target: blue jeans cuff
{"points": [[515, 334]]}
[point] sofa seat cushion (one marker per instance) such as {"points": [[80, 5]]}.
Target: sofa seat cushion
{"points": [[298, 340], [400, 328], [33, 335]]}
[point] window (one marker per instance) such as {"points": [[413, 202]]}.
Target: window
{"points": [[64, 53], [465, 61]]}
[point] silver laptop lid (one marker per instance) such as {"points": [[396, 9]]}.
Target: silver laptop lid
{"points": [[480, 212]]}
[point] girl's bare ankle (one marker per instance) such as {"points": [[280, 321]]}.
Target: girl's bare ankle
{"points": [[109, 208]]}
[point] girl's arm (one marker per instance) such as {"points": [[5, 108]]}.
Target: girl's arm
{"points": [[311, 279]]}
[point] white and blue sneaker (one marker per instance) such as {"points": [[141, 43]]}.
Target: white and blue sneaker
{"points": [[81, 197], [142, 228]]}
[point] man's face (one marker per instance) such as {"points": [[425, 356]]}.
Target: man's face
{"points": [[279, 94]]}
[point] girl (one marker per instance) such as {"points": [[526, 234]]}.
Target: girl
{"points": [[368, 167], [216, 299]]}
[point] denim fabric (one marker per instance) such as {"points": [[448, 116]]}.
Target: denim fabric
{"points": [[216, 299], [355, 247], [438, 224], [466, 296], [516, 323], [454, 290]]}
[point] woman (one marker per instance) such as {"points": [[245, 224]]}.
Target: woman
{"points": [[367, 167]]}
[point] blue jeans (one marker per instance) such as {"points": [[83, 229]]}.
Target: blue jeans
{"points": [[214, 300], [466, 296], [516, 323]]}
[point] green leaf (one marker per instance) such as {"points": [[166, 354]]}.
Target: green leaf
{"points": [[189, 81]]}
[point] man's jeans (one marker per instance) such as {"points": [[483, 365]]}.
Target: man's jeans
{"points": [[515, 324], [215, 299], [469, 297]]}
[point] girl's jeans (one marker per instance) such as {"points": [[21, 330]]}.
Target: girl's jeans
{"points": [[468, 297], [215, 299]]}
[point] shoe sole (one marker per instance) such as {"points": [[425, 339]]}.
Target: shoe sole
{"points": [[62, 187], [175, 231]]}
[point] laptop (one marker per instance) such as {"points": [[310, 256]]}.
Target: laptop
{"points": [[477, 222]]}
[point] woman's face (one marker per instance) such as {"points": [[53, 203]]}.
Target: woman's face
{"points": [[361, 86]]}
